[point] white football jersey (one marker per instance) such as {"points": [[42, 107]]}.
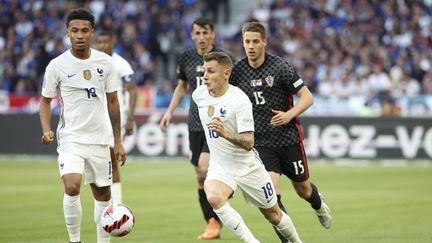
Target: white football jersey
{"points": [[235, 110], [81, 86], [124, 75]]}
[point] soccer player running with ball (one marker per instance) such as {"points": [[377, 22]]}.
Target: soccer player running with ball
{"points": [[270, 83], [190, 73], [127, 97], [226, 116], [85, 83]]}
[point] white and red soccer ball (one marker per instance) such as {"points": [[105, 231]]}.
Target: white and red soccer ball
{"points": [[118, 220]]}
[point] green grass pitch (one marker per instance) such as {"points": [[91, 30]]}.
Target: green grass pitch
{"points": [[369, 203]]}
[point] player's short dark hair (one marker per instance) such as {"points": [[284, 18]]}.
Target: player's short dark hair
{"points": [[203, 23], [81, 14], [106, 33], [221, 57], [254, 27]]}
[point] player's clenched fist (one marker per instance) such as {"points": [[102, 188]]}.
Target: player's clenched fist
{"points": [[48, 137]]}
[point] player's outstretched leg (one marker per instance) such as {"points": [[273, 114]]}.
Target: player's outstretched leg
{"points": [[281, 237], [72, 213], [102, 235], [282, 222], [286, 227], [213, 223], [234, 222], [324, 214], [321, 208]]}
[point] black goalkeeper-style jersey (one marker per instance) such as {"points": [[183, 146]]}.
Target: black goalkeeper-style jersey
{"points": [[270, 86], [190, 68]]}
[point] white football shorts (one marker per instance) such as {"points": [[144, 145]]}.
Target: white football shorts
{"points": [[90, 160], [257, 187]]}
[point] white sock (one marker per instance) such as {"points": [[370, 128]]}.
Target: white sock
{"points": [[72, 212], [234, 222], [287, 229], [116, 193], [102, 235]]}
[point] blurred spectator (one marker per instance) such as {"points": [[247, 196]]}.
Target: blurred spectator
{"points": [[163, 95], [379, 82], [364, 47]]}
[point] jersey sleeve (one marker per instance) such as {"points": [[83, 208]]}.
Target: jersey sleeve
{"points": [[50, 82], [244, 115], [180, 68], [111, 83], [290, 76], [125, 72], [234, 75]]}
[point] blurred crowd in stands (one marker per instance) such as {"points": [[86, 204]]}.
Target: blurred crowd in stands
{"points": [[355, 54]]}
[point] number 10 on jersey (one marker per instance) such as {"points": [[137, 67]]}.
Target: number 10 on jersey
{"points": [[213, 134]]}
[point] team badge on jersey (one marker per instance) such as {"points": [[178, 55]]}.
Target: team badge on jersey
{"points": [[269, 80], [87, 74], [210, 111], [222, 112], [100, 71]]}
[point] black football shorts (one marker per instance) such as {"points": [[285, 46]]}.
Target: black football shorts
{"points": [[197, 145], [288, 160]]}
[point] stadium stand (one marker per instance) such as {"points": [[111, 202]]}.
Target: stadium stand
{"points": [[368, 58]]}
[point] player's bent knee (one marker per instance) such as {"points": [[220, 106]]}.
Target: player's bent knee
{"points": [[273, 215], [72, 190], [216, 201], [303, 192]]}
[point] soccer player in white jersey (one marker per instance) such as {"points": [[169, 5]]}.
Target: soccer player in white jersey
{"points": [[127, 99], [226, 116], [84, 81]]}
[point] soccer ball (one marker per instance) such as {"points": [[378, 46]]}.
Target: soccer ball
{"points": [[118, 220]]}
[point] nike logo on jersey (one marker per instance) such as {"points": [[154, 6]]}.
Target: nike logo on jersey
{"points": [[71, 75], [269, 200]]}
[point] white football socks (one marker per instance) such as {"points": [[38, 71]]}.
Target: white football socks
{"points": [[234, 222], [287, 229], [116, 193], [102, 235], [72, 213]]}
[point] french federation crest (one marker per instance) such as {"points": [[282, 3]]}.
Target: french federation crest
{"points": [[87, 74], [269, 80], [210, 111]]}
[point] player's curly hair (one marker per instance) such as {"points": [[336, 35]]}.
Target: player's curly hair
{"points": [[81, 14]]}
